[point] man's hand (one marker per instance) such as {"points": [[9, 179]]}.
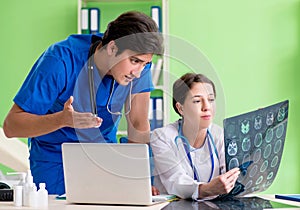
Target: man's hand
{"points": [[79, 119], [155, 191]]}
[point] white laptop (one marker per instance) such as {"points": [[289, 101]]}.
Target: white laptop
{"points": [[102, 173]]}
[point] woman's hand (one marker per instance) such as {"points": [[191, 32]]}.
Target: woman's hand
{"points": [[219, 185]]}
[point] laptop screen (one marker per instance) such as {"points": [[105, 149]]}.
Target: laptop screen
{"points": [[254, 142]]}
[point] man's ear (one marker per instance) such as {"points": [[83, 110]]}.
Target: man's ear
{"points": [[111, 48], [179, 108]]}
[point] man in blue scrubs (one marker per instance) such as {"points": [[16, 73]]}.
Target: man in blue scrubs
{"points": [[55, 103]]}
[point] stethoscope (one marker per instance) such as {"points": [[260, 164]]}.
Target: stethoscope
{"points": [[91, 85], [188, 150]]}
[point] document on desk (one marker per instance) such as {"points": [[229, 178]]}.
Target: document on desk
{"points": [[254, 142]]}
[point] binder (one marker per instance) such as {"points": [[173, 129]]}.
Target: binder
{"points": [[151, 114], [156, 120], [94, 14], [85, 21], [156, 16], [156, 71], [150, 111], [159, 112]]}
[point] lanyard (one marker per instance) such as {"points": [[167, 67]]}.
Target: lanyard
{"points": [[187, 149]]}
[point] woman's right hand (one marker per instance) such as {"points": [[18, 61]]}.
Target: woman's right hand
{"points": [[221, 184]]}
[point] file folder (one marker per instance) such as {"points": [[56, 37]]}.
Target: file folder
{"points": [[156, 16], [159, 112], [150, 112], [156, 116], [85, 21], [156, 71], [94, 20]]}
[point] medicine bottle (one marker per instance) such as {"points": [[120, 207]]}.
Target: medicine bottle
{"points": [[27, 186], [42, 196], [18, 194], [33, 197]]}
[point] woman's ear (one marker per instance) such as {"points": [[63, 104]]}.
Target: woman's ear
{"points": [[179, 108], [111, 48]]}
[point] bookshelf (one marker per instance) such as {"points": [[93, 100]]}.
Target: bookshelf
{"points": [[108, 11]]}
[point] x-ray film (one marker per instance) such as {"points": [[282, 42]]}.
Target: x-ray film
{"points": [[254, 142]]}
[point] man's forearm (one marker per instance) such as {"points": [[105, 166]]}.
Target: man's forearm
{"points": [[30, 125], [139, 134]]}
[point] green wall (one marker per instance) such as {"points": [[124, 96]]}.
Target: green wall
{"points": [[252, 46], [27, 28]]}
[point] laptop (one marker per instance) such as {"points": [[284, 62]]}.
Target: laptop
{"points": [[104, 173], [254, 142]]}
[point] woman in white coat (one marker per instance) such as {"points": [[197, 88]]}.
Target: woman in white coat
{"points": [[189, 154]]}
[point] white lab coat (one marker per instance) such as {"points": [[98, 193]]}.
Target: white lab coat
{"points": [[172, 170]]}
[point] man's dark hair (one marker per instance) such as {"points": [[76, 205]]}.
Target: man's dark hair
{"points": [[134, 31]]}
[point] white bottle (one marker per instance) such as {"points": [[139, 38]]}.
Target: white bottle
{"points": [[27, 186], [42, 196], [19, 188], [18, 194], [33, 197]]}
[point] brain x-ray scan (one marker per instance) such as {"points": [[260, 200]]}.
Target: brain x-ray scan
{"points": [[254, 142]]}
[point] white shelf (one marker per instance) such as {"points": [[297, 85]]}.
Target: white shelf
{"points": [[87, 1]]}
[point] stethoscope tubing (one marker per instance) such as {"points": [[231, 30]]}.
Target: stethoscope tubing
{"points": [[93, 95], [91, 87], [187, 149]]}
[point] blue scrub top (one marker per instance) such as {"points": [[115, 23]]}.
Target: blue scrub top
{"points": [[61, 72]]}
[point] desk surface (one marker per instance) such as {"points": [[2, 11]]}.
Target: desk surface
{"points": [[55, 204], [247, 202], [63, 205], [272, 198]]}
